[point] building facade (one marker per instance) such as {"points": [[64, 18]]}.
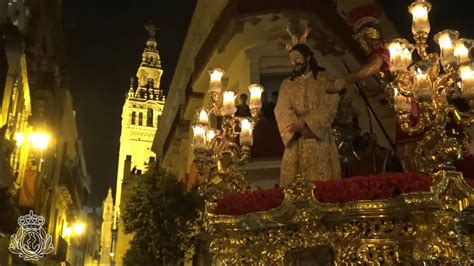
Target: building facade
{"points": [[140, 118], [41, 153]]}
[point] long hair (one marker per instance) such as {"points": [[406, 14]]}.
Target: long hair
{"points": [[313, 64]]}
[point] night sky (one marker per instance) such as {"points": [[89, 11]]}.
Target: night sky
{"points": [[103, 45], [445, 14]]}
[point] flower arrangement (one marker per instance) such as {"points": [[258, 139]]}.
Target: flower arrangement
{"points": [[376, 187]]}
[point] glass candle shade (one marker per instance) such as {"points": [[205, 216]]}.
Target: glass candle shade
{"points": [[466, 73], [255, 96], [246, 132], [210, 134], [199, 137], [228, 105], [419, 10], [215, 80], [462, 48], [446, 39], [203, 117], [400, 55]]}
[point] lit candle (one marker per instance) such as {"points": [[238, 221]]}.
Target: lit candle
{"points": [[228, 106], [203, 117], [419, 11], [210, 134], [246, 132], [198, 140], [467, 80], [405, 57], [461, 50], [395, 56], [402, 103], [422, 85], [445, 40], [215, 83], [400, 55], [255, 96]]}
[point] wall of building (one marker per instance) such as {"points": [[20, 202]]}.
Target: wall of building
{"points": [[34, 100]]}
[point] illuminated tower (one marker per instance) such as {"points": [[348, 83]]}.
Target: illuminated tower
{"points": [[106, 229], [143, 105]]}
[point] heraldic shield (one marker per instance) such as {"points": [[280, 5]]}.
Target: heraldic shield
{"points": [[31, 242]]}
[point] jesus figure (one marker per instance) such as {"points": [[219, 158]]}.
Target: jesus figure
{"points": [[305, 110]]}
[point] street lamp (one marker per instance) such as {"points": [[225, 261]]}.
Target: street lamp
{"points": [[40, 140], [78, 228]]}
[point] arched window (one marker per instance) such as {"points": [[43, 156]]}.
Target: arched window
{"points": [[140, 119], [134, 117], [149, 118]]}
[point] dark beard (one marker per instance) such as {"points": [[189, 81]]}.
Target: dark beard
{"points": [[300, 69]]}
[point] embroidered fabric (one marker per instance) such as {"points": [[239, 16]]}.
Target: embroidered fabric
{"points": [[305, 100]]}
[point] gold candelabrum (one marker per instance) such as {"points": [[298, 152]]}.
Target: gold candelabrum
{"points": [[433, 81], [217, 152]]}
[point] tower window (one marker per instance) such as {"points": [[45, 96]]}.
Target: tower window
{"points": [[134, 116], [149, 119], [140, 119]]}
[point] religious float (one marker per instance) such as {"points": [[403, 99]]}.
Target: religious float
{"points": [[425, 217]]}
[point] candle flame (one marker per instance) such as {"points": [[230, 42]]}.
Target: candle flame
{"points": [[210, 135], [203, 117], [216, 74], [419, 10], [245, 123]]}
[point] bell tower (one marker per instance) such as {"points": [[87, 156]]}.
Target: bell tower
{"points": [[143, 106], [106, 229]]}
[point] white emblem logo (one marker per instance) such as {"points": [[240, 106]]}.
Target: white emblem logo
{"points": [[31, 242]]}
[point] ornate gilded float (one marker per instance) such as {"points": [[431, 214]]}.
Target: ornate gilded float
{"points": [[393, 218], [387, 219]]}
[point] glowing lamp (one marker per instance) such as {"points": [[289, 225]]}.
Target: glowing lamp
{"points": [[210, 134], [419, 10], [199, 137], [255, 96], [400, 55], [246, 132], [40, 140], [215, 83], [445, 39], [461, 50], [228, 105], [203, 117], [78, 228], [466, 73]]}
